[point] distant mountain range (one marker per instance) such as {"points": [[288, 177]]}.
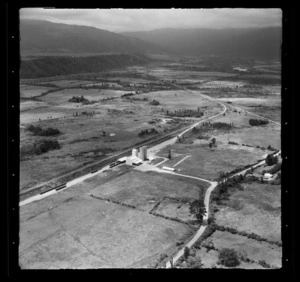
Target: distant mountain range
{"points": [[44, 37], [263, 43]]}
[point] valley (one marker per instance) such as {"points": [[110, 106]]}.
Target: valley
{"points": [[97, 117]]}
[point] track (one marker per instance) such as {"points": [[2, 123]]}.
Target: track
{"points": [[128, 151], [206, 203]]}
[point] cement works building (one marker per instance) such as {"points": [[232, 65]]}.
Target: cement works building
{"points": [[141, 153]]}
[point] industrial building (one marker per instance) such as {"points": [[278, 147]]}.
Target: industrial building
{"points": [[142, 154], [137, 156], [135, 152]]}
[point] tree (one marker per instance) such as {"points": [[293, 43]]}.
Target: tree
{"points": [[270, 159], [195, 262], [228, 257], [197, 207], [186, 252]]}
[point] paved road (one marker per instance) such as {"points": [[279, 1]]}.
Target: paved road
{"points": [[112, 157], [213, 184], [128, 151], [206, 203]]}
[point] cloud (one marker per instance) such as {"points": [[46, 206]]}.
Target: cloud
{"points": [[119, 20]]}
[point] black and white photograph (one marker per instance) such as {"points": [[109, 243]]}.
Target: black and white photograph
{"points": [[150, 138]]}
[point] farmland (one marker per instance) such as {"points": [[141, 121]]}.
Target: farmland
{"points": [[139, 217]]}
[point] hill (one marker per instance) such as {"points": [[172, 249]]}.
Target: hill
{"points": [[48, 66], [261, 43], [43, 38]]}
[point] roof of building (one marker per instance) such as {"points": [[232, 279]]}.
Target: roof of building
{"points": [[135, 159]]}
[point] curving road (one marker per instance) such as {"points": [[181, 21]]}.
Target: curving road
{"points": [[213, 184], [206, 203]]}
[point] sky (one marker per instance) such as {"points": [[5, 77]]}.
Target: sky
{"points": [[124, 20]]}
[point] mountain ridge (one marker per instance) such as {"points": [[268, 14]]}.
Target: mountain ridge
{"points": [[261, 42], [39, 36]]}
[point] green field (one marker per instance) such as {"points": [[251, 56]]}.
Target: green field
{"points": [[208, 163], [250, 248], [90, 233], [256, 209], [144, 190]]}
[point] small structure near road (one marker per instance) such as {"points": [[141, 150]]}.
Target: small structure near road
{"points": [[269, 177], [168, 168]]}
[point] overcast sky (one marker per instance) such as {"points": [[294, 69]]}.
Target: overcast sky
{"points": [[121, 20]]}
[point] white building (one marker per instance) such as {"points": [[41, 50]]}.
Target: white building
{"points": [[133, 161], [135, 152], [143, 153], [267, 176], [168, 168], [144, 149]]}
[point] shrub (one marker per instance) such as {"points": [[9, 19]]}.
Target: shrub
{"points": [[264, 264], [49, 132], [77, 99], [270, 160], [154, 103], [257, 122], [185, 113], [270, 148], [211, 220], [228, 257], [147, 132], [274, 169], [194, 262], [37, 130], [243, 233], [162, 257], [186, 252], [46, 145]]}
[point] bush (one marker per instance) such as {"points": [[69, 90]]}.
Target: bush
{"points": [[274, 169], [147, 132], [186, 252], [270, 160], [154, 103], [78, 99], [228, 257], [37, 130], [257, 122], [46, 145], [185, 113], [49, 132], [211, 220], [264, 264], [162, 257], [194, 263]]}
